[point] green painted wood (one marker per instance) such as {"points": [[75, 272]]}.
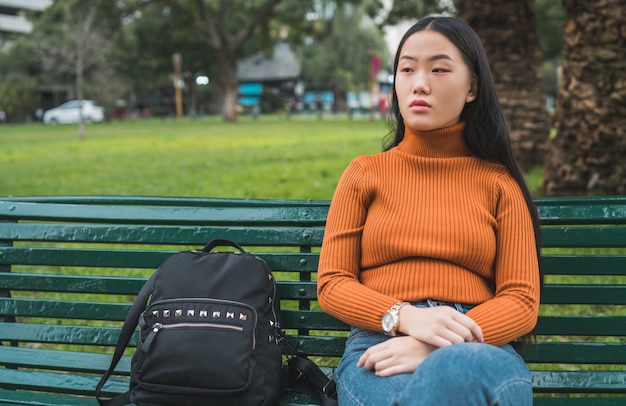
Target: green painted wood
{"points": [[169, 201], [581, 401], [311, 319], [576, 353], [584, 293], [196, 216], [159, 224], [288, 289], [155, 234], [12, 398], [64, 383], [70, 361], [590, 236], [579, 210], [292, 319], [579, 381], [582, 325], [298, 399], [87, 336], [140, 259], [78, 310], [71, 283], [582, 264], [584, 210], [316, 345]]}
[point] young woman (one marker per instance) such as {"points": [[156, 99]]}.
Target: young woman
{"points": [[431, 247]]}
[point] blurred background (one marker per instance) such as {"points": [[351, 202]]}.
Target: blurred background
{"points": [[558, 65]]}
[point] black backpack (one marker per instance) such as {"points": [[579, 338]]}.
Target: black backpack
{"points": [[210, 335]]}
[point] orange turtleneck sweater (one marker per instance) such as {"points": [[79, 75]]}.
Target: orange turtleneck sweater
{"points": [[427, 220]]}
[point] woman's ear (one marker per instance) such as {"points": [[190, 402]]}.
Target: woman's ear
{"points": [[471, 95]]}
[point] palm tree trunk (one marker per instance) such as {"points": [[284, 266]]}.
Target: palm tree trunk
{"points": [[508, 30], [587, 154]]}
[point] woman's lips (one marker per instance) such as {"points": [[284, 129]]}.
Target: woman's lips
{"points": [[419, 105]]}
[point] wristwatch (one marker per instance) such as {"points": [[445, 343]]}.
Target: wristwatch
{"points": [[391, 319]]}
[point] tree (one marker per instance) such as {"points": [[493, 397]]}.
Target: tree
{"points": [[18, 84], [508, 30], [224, 28], [232, 30], [72, 47], [587, 154], [341, 58]]}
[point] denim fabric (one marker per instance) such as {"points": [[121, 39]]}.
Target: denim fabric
{"points": [[465, 374]]}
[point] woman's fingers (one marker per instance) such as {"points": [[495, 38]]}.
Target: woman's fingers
{"points": [[439, 326]]}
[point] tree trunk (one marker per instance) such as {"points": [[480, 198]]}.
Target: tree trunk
{"points": [[210, 25], [508, 30], [231, 91], [587, 154]]}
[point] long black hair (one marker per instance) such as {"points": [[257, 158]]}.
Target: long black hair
{"points": [[486, 131]]}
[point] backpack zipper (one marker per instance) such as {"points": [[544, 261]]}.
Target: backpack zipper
{"points": [[157, 327]]}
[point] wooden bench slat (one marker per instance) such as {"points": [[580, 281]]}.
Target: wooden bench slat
{"points": [[582, 325], [584, 293], [62, 334], [72, 384], [79, 310], [155, 234], [70, 361], [579, 381], [606, 237], [12, 398], [170, 201], [71, 283], [287, 289], [317, 345], [311, 319], [581, 264], [314, 320], [575, 353], [552, 210], [585, 401], [196, 216], [584, 210], [146, 259]]}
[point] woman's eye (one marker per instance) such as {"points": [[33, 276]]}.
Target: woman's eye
{"points": [[440, 70]]}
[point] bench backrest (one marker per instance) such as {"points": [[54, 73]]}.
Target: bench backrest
{"points": [[69, 268]]}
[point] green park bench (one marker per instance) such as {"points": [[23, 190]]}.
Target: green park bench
{"points": [[70, 267]]}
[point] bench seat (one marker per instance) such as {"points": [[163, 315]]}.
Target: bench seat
{"points": [[71, 266]]}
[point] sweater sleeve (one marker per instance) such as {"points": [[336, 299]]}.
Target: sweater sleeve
{"points": [[340, 293], [513, 310]]}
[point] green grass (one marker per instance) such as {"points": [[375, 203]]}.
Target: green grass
{"points": [[269, 158], [272, 157]]}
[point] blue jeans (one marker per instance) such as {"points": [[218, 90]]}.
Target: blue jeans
{"points": [[467, 374]]}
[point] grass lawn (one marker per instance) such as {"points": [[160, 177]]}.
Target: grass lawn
{"points": [[272, 157]]}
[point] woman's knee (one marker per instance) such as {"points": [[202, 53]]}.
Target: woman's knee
{"points": [[479, 374]]}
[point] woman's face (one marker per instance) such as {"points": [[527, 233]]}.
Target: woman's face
{"points": [[432, 82]]}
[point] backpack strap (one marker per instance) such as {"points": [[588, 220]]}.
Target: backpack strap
{"points": [[122, 341], [304, 376]]}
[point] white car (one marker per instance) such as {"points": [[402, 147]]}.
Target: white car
{"points": [[68, 113]]}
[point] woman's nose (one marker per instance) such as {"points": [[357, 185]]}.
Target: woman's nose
{"points": [[420, 85]]}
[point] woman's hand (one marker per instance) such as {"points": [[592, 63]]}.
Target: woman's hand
{"points": [[439, 326], [397, 355]]}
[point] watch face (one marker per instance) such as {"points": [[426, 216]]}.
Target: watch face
{"points": [[388, 322]]}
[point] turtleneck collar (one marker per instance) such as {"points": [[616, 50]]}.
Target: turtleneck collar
{"points": [[445, 142]]}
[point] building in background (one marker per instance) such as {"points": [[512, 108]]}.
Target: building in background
{"points": [[12, 19]]}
